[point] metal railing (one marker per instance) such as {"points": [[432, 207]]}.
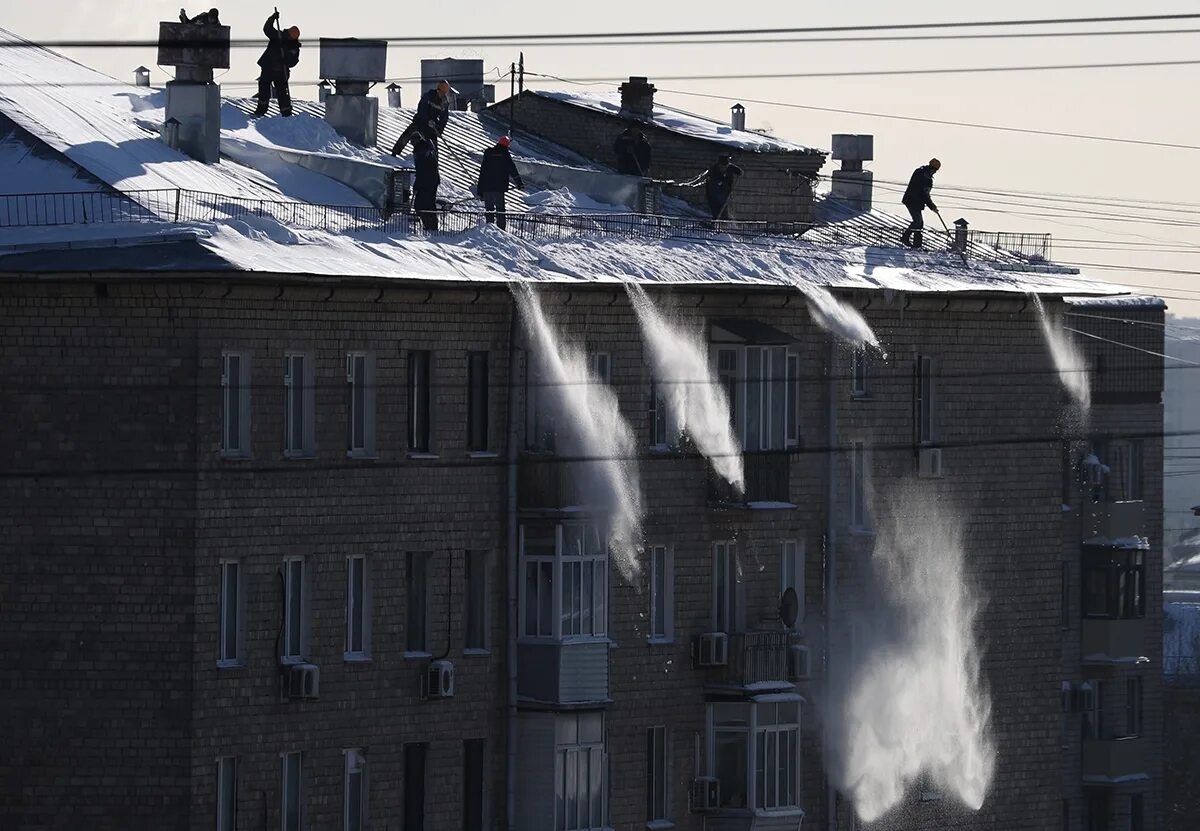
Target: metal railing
{"points": [[181, 205], [759, 657], [768, 476]]}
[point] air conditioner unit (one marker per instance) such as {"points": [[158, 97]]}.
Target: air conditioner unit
{"points": [[439, 680], [712, 649], [930, 463], [304, 681], [706, 794], [799, 663]]}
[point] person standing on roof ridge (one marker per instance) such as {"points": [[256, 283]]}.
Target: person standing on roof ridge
{"points": [[433, 112], [426, 180], [916, 199], [718, 185], [497, 172], [282, 53], [633, 151]]}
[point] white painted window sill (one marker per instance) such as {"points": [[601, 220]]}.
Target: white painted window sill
{"points": [[477, 653], [660, 640], [659, 825], [417, 655], [236, 663], [299, 456], [236, 457], [362, 455], [356, 658], [482, 454], [291, 660], [423, 456]]}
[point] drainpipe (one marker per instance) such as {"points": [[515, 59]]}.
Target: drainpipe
{"points": [[513, 438], [830, 563]]}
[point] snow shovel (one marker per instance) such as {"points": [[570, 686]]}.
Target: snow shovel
{"points": [[962, 254]]}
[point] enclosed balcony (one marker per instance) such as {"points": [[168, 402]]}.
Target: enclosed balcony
{"points": [[1109, 521], [754, 661], [1113, 640], [1108, 761]]}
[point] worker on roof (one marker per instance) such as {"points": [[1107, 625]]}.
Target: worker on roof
{"points": [[718, 185], [632, 150], [433, 112], [426, 181], [212, 17], [496, 173], [916, 199], [282, 53]]}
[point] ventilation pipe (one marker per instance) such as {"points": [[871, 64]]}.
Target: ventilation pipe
{"points": [[852, 184], [354, 66], [637, 98], [393, 91], [141, 77], [737, 117], [193, 100], [324, 90]]}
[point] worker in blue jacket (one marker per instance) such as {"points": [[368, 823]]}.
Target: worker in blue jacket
{"points": [[916, 198], [433, 112]]}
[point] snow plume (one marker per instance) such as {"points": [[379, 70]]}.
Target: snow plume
{"points": [[1068, 360], [695, 399], [909, 707], [596, 432], [836, 316]]}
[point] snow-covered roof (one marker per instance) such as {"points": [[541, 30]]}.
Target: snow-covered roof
{"points": [[680, 121], [1142, 301]]}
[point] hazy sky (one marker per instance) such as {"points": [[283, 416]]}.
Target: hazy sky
{"points": [[1148, 103]]}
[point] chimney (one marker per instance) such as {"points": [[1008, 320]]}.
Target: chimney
{"points": [[170, 133], [960, 234], [193, 100], [354, 66], [393, 91], [852, 184], [324, 90], [141, 77], [465, 76], [737, 117], [637, 98]]}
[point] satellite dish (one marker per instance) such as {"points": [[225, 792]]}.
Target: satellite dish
{"points": [[789, 607]]}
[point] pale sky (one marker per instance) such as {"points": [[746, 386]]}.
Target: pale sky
{"points": [[1156, 104]]}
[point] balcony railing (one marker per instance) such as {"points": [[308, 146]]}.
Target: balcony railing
{"points": [[547, 481], [758, 658], [768, 479]]}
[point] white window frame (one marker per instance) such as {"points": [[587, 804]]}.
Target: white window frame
{"points": [[658, 790], [926, 401], [859, 487], [573, 565], [601, 367], [302, 446], [859, 383], [754, 733], [294, 644], [545, 629], [791, 572], [286, 761], [426, 558], [662, 564], [355, 764], [568, 754], [358, 608], [360, 377], [227, 775], [238, 659], [664, 428], [778, 380], [726, 588], [235, 395], [478, 566], [762, 732]]}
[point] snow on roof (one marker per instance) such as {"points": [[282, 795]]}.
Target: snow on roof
{"points": [[1143, 301], [680, 121]]}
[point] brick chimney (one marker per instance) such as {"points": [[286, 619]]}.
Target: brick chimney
{"points": [[637, 98]]}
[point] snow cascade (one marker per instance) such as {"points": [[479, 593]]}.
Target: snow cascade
{"points": [[1068, 359], [598, 434], [837, 316], [909, 708], [696, 401]]}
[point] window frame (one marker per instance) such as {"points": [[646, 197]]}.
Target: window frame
{"points": [[600, 366], [860, 474], [242, 390], [224, 661], [286, 761], [727, 605], [752, 733], [924, 401], [859, 377], [762, 732], [362, 609], [420, 402], [478, 394], [755, 399], [355, 763], [477, 615], [791, 572], [360, 447], [596, 562], [303, 446], [567, 756], [658, 775], [417, 571], [1124, 574], [227, 769], [1134, 706], [664, 433], [1092, 723], [301, 606], [662, 561]]}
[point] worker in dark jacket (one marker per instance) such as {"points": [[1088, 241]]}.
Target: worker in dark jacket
{"points": [[632, 150], [496, 173], [718, 186], [433, 112], [426, 180], [916, 199], [212, 17], [282, 53]]}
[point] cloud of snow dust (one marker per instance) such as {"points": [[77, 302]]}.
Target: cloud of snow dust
{"points": [[597, 433], [1068, 359], [683, 375], [908, 705], [838, 317]]}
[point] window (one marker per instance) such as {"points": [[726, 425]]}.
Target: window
{"points": [[727, 377], [235, 405], [541, 407], [658, 768], [579, 772], [584, 581], [299, 405], [414, 786], [1093, 712], [473, 784], [295, 611], [730, 738], [355, 799], [227, 794], [793, 400], [476, 598], [360, 391], [923, 400], [418, 602], [777, 753], [762, 383], [791, 572], [859, 471], [858, 372], [358, 609], [602, 367], [664, 430], [1065, 595], [292, 804], [477, 401], [662, 590], [231, 612], [1114, 582], [1137, 812], [539, 547], [1132, 471], [418, 402], [726, 587], [1133, 706]]}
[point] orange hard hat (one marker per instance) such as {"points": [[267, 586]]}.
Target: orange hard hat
{"points": [[504, 141], [294, 32]]}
